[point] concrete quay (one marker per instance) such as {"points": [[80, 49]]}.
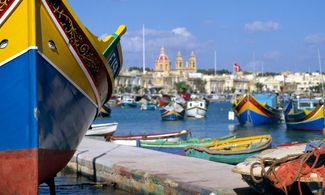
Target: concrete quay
{"points": [[144, 171]]}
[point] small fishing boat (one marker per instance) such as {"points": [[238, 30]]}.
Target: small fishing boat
{"points": [[196, 108], [274, 170], [231, 151], [128, 102], [305, 114], [177, 147], [148, 106], [172, 112], [257, 109], [134, 140], [104, 129]]}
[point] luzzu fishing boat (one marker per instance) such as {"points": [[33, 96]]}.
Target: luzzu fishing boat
{"points": [[257, 109], [55, 75], [172, 112], [305, 114]]}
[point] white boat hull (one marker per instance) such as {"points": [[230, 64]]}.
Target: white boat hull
{"points": [[196, 109], [102, 129]]}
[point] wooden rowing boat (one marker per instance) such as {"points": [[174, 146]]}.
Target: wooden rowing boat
{"points": [[231, 151], [177, 147], [134, 140]]}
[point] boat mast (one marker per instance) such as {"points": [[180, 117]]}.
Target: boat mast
{"points": [[321, 73], [215, 62], [143, 51]]}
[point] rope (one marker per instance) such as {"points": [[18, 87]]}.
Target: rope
{"points": [[285, 171]]}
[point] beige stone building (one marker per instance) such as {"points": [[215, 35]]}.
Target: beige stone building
{"points": [[182, 67], [162, 63]]}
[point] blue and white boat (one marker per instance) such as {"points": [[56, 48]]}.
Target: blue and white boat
{"points": [[305, 114]]}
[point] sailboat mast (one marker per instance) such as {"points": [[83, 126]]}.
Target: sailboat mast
{"points": [[143, 51], [215, 62], [254, 71], [321, 73]]}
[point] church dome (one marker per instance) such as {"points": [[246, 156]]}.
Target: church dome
{"points": [[163, 56]]}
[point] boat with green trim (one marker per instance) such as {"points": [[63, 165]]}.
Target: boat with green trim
{"points": [[231, 151], [177, 147]]}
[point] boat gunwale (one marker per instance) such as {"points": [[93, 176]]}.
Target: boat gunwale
{"points": [[152, 136], [260, 147]]}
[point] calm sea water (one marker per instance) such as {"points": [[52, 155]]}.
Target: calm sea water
{"points": [[134, 121], [216, 124]]}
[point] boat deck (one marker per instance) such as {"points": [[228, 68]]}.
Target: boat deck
{"points": [[140, 170]]}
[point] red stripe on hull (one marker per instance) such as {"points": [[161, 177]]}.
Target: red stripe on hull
{"points": [[23, 170], [18, 172], [51, 162]]}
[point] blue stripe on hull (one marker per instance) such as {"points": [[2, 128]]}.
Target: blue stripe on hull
{"points": [[18, 92], [311, 125], [66, 113], [40, 108], [255, 119]]}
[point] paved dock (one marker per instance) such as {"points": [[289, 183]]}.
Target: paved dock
{"points": [[139, 170]]}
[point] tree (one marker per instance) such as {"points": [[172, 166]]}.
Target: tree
{"points": [[138, 68], [137, 88], [317, 88], [199, 85], [182, 87], [259, 86], [211, 71]]}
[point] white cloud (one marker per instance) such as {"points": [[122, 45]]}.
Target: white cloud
{"points": [[174, 40], [181, 31], [315, 38], [262, 26]]}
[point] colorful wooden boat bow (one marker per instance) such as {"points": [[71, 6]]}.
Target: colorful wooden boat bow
{"points": [[305, 119], [55, 75], [253, 112]]}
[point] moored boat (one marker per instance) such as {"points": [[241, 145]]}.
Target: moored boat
{"points": [[134, 140], [231, 151], [305, 114], [177, 147], [128, 102], [102, 129], [148, 106], [196, 108], [257, 109], [56, 75], [172, 112]]}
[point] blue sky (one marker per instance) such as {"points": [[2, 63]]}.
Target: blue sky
{"points": [[284, 35]]}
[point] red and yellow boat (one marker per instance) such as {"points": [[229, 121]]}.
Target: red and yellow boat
{"points": [[55, 76], [257, 109]]}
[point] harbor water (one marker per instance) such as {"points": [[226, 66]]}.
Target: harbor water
{"points": [[135, 121], [216, 124]]}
